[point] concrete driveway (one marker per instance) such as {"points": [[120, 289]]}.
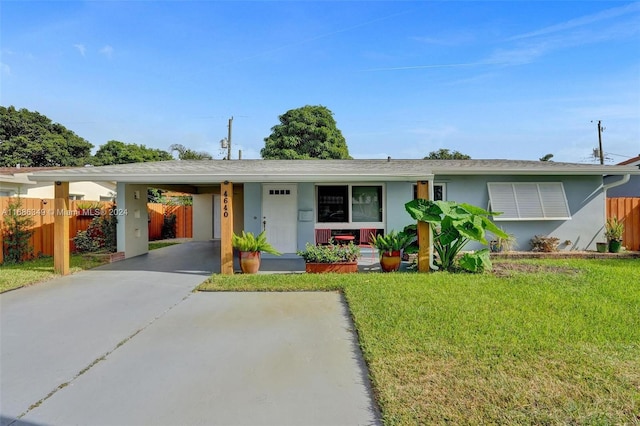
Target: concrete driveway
{"points": [[131, 344]]}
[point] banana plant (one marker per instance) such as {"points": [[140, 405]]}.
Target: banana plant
{"points": [[454, 225]]}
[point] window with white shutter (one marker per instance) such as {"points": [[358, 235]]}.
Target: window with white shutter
{"points": [[528, 201]]}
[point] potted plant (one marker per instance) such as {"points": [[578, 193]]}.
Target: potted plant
{"points": [[501, 244], [249, 248], [390, 247], [613, 231], [84, 208], [331, 257], [602, 247]]}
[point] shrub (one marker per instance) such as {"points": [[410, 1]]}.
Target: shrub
{"points": [[169, 226], [100, 235], [330, 253], [84, 243], [454, 225], [545, 244], [17, 233]]}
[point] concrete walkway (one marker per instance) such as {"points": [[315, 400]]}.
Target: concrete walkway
{"points": [[129, 343]]}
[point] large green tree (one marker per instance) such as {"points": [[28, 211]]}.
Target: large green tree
{"points": [[116, 152], [305, 133], [33, 140], [445, 154]]}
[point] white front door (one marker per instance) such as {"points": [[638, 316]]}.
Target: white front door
{"points": [[280, 216]]}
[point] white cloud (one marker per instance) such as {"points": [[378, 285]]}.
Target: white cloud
{"points": [[81, 48], [582, 21], [107, 51]]}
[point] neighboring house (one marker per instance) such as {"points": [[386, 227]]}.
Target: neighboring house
{"points": [[15, 181], [300, 201], [629, 189]]}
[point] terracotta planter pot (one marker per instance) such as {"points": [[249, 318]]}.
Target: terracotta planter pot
{"points": [[390, 261], [249, 261], [338, 268]]}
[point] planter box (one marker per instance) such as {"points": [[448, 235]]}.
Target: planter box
{"points": [[337, 268]]}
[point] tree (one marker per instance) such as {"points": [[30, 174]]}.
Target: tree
{"points": [[305, 133], [185, 153], [33, 140], [445, 154], [546, 157], [17, 233], [116, 152]]}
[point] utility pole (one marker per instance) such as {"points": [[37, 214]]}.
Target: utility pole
{"points": [[599, 142], [229, 139]]}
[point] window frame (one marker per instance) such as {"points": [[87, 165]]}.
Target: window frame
{"points": [[443, 185], [350, 224], [541, 201]]}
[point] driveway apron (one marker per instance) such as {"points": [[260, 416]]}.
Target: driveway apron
{"points": [[129, 343]]}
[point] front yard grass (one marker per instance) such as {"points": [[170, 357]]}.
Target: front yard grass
{"points": [[545, 342], [14, 276]]}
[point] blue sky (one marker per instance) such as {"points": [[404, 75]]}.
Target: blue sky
{"points": [[501, 79]]}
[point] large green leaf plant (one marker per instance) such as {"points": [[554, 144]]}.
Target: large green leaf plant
{"points": [[454, 225]]}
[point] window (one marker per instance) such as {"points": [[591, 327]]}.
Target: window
{"points": [[349, 203], [332, 203], [439, 192], [366, 204], [528, 201], [76, 197]]}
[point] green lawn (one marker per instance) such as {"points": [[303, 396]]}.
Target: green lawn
{"points": [[546, 342], [41, 269], [154, 245]]}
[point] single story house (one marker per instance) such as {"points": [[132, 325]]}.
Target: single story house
{"points": [[300, 201], [14, 181]]}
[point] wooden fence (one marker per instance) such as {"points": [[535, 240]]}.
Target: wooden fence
{"points": [[42, 212], [627, 209], [184, 220]]}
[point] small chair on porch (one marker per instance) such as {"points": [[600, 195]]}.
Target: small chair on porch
{"points": [[363, 242], [323, 236]]}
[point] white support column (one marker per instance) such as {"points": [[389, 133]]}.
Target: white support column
{"points": [[132, 215]]}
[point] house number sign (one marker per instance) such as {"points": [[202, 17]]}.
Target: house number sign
{"points": [[225, 202]]}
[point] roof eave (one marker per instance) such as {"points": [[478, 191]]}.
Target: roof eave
{"points": [[244, 178]]}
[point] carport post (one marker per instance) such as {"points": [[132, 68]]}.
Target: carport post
{"points": [[226, 228], [62, 217], [424, 245]]}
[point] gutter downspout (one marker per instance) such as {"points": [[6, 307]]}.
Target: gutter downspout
{"points": [[625, 179], [431, 264], [605, 187]]}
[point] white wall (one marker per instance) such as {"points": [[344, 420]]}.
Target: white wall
{"points": [[90, 191], [202, 214], [133, 225]]}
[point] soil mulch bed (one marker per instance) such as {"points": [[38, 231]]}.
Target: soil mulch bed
{"points": [[506, 269], [565, 255], [503, 268]]}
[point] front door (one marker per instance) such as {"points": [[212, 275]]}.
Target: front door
{"points": [[280, 216]]}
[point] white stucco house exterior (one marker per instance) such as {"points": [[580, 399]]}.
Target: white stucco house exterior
{"points": [[299, 201], [15, 181]]}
